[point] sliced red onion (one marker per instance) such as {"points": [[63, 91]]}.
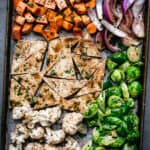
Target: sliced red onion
{"points": [[126, 4], [137, 7], [99, 9], [93, 17], [125, 28], [107, 11], [99, 40], [117, 11], [128, 18], [113, 29], [138, 26], [107, 38], [128, 41]]}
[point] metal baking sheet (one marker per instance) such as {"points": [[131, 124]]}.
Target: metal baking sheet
{"points": [[8, 123]]}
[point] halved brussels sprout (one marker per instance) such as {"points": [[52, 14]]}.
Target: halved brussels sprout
{"points": [[114, 90], [91, 111], [124, 66], [111, 65], [114, 101], [119, 57], [127, 146], [124, 89], [133, 73], [117, 75], [135, 89], [134, 54]]}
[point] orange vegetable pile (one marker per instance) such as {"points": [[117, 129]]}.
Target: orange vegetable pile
{"points": [[48, 17]]}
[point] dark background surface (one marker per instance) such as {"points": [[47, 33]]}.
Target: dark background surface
{"points": [[3, 18]]}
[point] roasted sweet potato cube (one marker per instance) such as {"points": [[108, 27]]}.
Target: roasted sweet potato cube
{"points": [[61, 4], [41, 11], [20, 20], [29, 18], [53, 25], [69, 18], [49, 35], [78, 21], [38, 28], [67, 12], [32, 7], [15, 3], [21, 7], [91, 28], [27, 28], [16, 32], [50, 4], [59, 21], [90, 4], [77, 31], [80, 8], [85, 19], [50, 15], [67, 25], [40, 2], [42, 19]]}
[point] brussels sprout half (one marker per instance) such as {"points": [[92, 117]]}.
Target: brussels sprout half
{"points": [[135, 89], [133, 73], [117, 75], [119, 57], [114, 101], [134, 54], [111, 65]]}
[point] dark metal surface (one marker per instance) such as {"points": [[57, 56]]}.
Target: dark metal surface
{"points": [[3, 65]]}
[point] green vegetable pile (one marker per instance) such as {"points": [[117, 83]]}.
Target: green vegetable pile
{"points": [[112, 114]]}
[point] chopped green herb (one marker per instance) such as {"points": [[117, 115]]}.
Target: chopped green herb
{"points": [[63, 57], [46, 105], [52, 73], [48, 61], [19, 92], [19, 80], [67, 46], [30, 4], [32, 100], [63, 15], [87, 75], [17, 55], [68, 71]]}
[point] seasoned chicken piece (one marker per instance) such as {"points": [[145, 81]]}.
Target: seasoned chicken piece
{"points": [[72, 144], [19, 112], [20, 134], [63, 68], [30, 82], [54, 136], [34, 146], [70, 122], [46, 97], [37, 133], [63, 87], [87, 48]]}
